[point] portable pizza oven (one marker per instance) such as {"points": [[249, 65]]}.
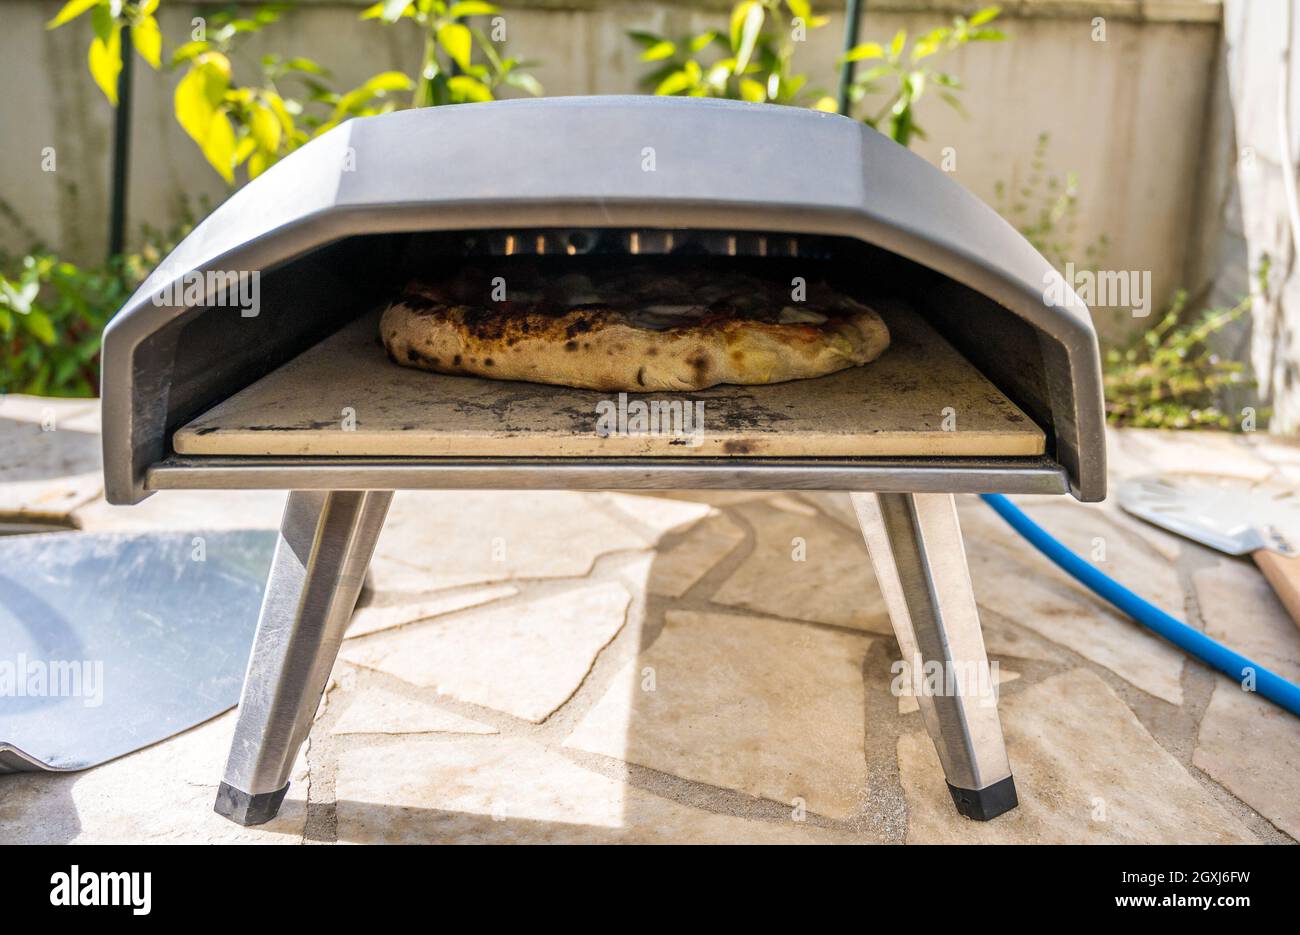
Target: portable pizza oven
{"points": [[251, 359]]}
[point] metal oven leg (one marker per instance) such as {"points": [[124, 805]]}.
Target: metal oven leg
{"points": [[916, 549], [326, 540]]}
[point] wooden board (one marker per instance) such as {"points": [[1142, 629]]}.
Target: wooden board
{"points": [[344, 397]]}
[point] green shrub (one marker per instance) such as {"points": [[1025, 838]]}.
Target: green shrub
{"points": [[904, 73], [250, 125], [1165, 377], [1168, 377], [1045, 209], [749, 61], [51, 316], [53, 312]]}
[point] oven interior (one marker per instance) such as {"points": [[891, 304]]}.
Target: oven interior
{"points": [[216, 352]]}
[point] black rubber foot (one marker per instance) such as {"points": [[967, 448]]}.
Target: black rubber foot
{"points": [[245, 809], [986, 803]]}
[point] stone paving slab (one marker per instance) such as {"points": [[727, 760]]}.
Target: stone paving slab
{"points": [[185, 509], [1051, 604], [515, 791], [804, 568], [679, 568], [1086, 771], [53, 411], [162, 794], [524, 658], [444, 539], [1241, 609], [46, 472], [769, 709], [391, 610], [1134, 452], [1246, 743], [381, 711], [1252, 748]]}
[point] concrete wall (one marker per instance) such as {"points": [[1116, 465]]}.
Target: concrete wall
{"points": [[1248, 221], [1127, 114]]}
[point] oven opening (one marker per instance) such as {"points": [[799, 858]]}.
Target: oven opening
{"points": [[961, 377]]}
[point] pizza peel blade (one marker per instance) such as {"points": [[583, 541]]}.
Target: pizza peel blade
{"points": [[1230, 515]]}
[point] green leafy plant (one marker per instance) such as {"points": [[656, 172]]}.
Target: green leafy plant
{"points": [[51, 317], [109, 18], [448, 72], [1168, 378], [1165, 377], [751, 61], [904, 74], [255, 125], [235, 125], [1045, 208], [53, 312]]}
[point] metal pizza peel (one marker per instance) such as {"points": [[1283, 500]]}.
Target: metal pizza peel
{"points": [[110, 642], [1229, 514]]}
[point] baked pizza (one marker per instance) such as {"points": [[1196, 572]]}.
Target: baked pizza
{"points": [[634, 327]]}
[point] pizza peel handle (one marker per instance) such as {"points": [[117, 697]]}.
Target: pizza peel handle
{"points": [[1283, 573], [1231, 515]]}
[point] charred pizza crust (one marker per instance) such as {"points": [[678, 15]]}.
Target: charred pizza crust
{"points": [[604, 348]]}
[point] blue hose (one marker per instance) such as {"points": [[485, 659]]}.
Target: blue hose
{"points": [[1234, 665]]}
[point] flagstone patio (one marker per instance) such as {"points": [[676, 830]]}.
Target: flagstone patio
{"points": [[705, 667]]}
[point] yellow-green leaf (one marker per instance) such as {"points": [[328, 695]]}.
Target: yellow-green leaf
{"points": [[524, 82], [864, 51], [189, 50], [675, 83], [106, 63], [218, 64], [388, 81], [392, 10], [660, 50], [985, 15], [471, 8], [103, 20], [247, 146], [471, 89], [896, 46], [198, 95], [258, 163], [147, 39], [827, 104], [276, 103], [457, 41], [265, 128], [38, 323], [71, 10], [718, 76], [197, 101], [738, 14], [219, 146], [751, 90], [924, 49], [746, 25], [702, 40]]}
